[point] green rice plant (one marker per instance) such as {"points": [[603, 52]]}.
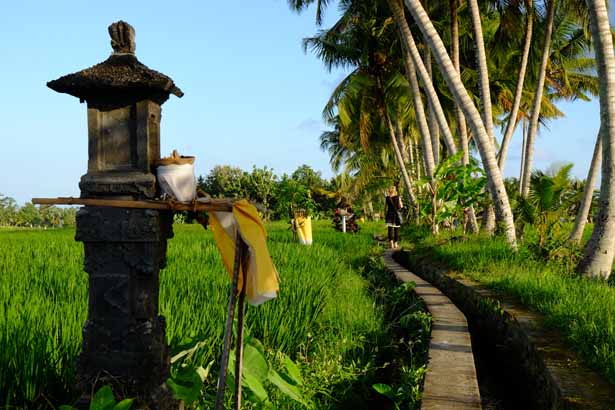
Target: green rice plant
{"points": [[325, 318], [43, 292]]}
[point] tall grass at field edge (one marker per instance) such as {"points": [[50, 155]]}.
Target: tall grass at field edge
{"points": [[583, 309]]}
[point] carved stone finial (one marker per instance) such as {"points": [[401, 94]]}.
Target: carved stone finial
{"points": [[122, 37]]}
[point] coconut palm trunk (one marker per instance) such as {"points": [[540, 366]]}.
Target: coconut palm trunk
{"points": [[483, 72], [485, 95], [533, 130], [588, 193], [402, 142], [400, 161], [514, 112], [434, 129], [522, 163], [462, 129], [419, 111], [410, 151], [418, 161], [598, 258], [484, 142], [406, 36]]}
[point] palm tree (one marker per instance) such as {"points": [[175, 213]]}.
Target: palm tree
{"points": [[588, 193], [569, 72], [521, 170], [410, 45], [398, 156], [598, 257], [514, 112], [336, 145], [405, 143], [462, 130], [483, 72], [374, 96], [362, 175], [434, 129], [546, 207], [300, 5], [484, 141], [419, 111], [533, 127]]}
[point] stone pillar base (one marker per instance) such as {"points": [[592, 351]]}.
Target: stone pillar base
{"points": [[124, 341]]}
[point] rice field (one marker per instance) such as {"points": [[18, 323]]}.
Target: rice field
{"points": [[324, 318]]}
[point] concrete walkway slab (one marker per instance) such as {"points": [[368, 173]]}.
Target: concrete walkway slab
{"points": [[450, 382]]}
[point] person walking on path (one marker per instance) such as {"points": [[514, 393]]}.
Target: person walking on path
{"points": [[393, 216]]}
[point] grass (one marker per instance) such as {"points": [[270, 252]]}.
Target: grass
{"points": [[326, 317], [584, 310], [44, 303]]}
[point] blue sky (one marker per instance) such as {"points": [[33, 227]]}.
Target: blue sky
{"points": [[252, 96]]}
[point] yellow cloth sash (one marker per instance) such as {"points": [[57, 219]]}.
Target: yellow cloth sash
{"points": [[262, 279]]}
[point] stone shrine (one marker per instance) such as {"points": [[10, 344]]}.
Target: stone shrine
{"points": [[124, 336]]}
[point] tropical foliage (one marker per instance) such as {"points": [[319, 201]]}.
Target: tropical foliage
{"points": [[539, 53], [276, 197]]}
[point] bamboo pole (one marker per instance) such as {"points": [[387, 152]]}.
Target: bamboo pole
{"points": [[228, 333], [216, 205], [240, 326]]}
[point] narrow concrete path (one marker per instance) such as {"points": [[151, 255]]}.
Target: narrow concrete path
{"points": [[450, 383]]}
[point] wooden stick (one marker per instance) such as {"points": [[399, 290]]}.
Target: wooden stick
{"points": [[216, 205], [226, 347], [240, 326]]}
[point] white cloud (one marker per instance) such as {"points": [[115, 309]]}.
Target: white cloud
{"points": [[310, 126]]}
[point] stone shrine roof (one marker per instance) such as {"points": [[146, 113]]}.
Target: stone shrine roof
{"points": [[120, 72], [120, 78]]}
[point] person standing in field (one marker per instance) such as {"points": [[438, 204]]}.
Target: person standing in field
{"points": [[393, 216]]}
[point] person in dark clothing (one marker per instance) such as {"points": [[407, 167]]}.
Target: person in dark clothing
{"points": [[392, 216]]}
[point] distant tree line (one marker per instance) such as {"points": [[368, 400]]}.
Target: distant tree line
{"points": [[275, 196], [31, 216]]}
